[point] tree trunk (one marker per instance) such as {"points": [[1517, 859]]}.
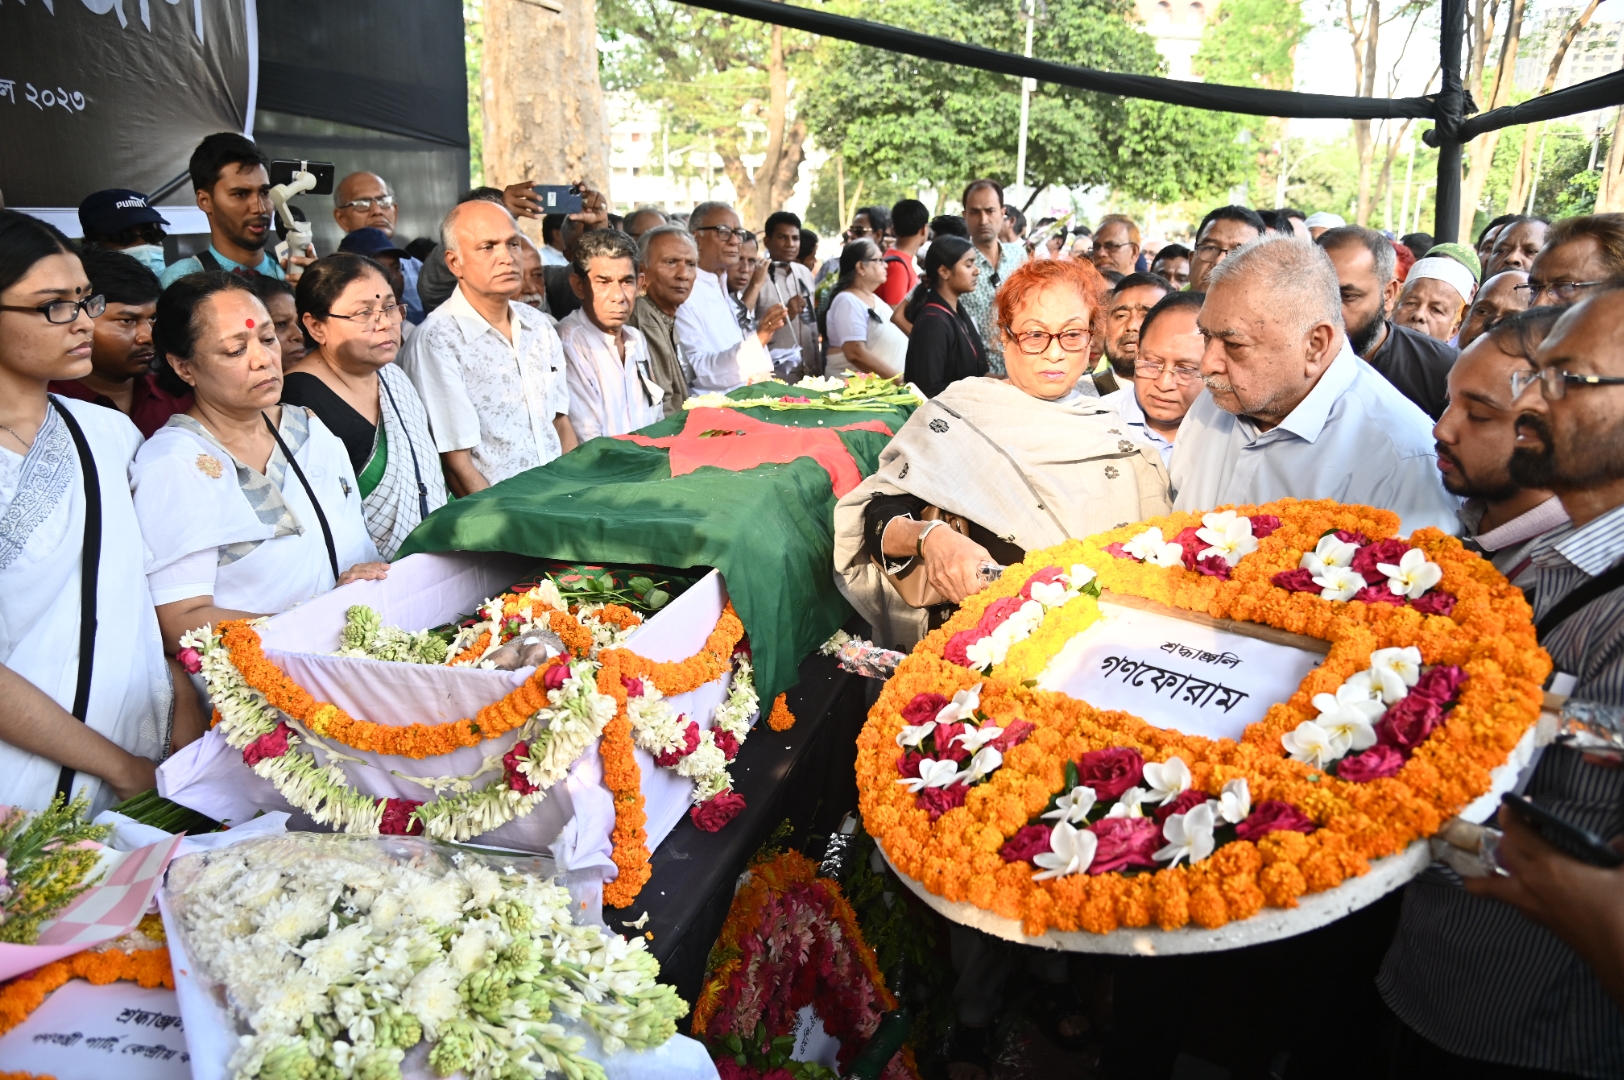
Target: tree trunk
{"points": [[1482, 148], [1521, 179], [1364, 74], [1387, 174], [765, 191], [544, 116], [1610, 197]]}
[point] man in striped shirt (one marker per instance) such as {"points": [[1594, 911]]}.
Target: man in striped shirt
{"points": [[1482, 991]]}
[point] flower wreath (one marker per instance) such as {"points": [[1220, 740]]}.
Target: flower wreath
{"points": [[600, 690], [790, 940], [987, 788]]}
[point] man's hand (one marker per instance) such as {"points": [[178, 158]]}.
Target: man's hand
{"points": [[594, 212], [520, 200], [294, 265], [953, 563], [795, 306], [772, 321], [363, 571]]}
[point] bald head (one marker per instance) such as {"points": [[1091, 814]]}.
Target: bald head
{"points": [[358, 203], [483, 249], [1497, 298]]}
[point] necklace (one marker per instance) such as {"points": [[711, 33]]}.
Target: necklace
{"points": [[26, 444]]}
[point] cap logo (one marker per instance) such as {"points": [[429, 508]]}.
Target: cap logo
{"points": [[131, 204]]}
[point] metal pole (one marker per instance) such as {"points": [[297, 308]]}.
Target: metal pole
{"points": [[1027, 86], [1452, 104]]}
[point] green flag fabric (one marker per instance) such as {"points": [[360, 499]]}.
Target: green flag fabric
{"points": [[769, 529]]}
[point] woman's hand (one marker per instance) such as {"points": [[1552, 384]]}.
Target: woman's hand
{"points": [[363, 571], [136, 775], [953, 563]]}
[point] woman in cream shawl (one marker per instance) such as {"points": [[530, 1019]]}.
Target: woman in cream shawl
{"points": [[1030, 462]]}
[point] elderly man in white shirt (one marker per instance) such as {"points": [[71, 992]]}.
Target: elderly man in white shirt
{"points": [[722, 355], [1290, 411], [612, 388], [490, 370]]}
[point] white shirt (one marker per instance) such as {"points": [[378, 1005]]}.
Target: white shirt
{"points": [[1126, 402], [849, 319], [723, 356], [1354, 439], [485, 393], [608, 395], [551, 256]]}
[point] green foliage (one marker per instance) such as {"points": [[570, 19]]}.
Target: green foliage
{"points": [[1567, 184], [473, 45], [45, 866], [1252, 43], [823, 212]]}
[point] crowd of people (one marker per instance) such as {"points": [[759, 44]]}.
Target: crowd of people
{"points": [[235, 432]]}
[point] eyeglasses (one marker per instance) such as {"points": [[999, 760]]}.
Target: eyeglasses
{"points": [[859, 230], [1107, 246], [388, 314], [1036, 342], [1530, 291], [62, 312], [1145, 369], [1554, 382], [724, 233], [1213, 252], [383, 202]]}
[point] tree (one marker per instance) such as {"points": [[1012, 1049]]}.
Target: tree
{"points": [[1496, 83], [1254, 43], [920, 123], [1524, 174], [727, 82]]}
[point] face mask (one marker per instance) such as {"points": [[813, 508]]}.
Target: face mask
{"points": [[149, 255]]}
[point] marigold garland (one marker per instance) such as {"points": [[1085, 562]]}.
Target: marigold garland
{"points": [[481, 644], [20, 997], [781, 719], [1489, 634]]}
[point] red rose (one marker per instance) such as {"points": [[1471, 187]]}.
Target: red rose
{"points": [[1272, 815], [1383, 551], [1434, 603], [1264, 524], [923, 707], [553, 678], [955, 653], [1379, 594], [1043, 577], [270, 745], [634, 687], [998, 613], [1110, 772], [190, 659], [1407, 723], [1213, 566], [717, 810], [510, 769], [1299, 580], [1374, 764], [937, 801], [908, 764], [743, 648], [1440, 685], [690, 743], [1124, 842], [1192, 544], [1030, 841], [946, 747], [726, 742], [398, 820], [1182, 803], [1015, 733], [1357, 539], [1117, 551]]}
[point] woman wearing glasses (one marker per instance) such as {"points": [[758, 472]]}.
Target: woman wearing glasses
{"points": [[352, 322], [862, 338], [247, 507], [1021, 464], [72, 585]]}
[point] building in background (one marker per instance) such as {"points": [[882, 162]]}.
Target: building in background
{"points": [[1175, 26]]}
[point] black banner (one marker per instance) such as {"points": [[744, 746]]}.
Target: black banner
{"points": [[100, 94]]}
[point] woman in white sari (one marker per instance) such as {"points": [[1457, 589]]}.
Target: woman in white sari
{"points": [[248, 507], [63, 492]]}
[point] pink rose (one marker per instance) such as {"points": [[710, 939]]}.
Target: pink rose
{"points": [[998, 613], [1042, 577], [1440, 685], [726, 742], [398, 820], [1272, 815], [1264, 524], [1213, 566], [272, 744], [553, 678], [946, 747], [717, 810], [1383, 551], [908, 764], [1296, 581], [1357, 539], [1192, 544], [1182, 803], [1110, 772], [1117, 551], [190, 659], [690, 743], [510, 769], [1407, 723], [634, 687], [937, 801], [1434, 603], [1015, 733], [955, 653], [1374, 764], [923, 707], [1124, 842], [1378, 594], [1030, 841]]}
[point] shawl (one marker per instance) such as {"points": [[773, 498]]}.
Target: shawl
{"points": [[1034, 473], [392, 510]]}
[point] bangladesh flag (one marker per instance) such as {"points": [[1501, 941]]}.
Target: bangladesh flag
{"points": [[749, 491]]}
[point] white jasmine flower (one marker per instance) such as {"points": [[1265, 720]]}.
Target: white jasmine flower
{"points": [[1234, 801], [1166, 779], [1149, 546], [1413, 575], [1361, 682], [932, 773], [973, 739], [1397, 670], [1339, 582], [914, 734], [986, 760], [1071, 851], [1189, 836], [1128, 804], [1327, 553], [1311, 743], [1073, 806], [1229, 536], [1080, 575]]}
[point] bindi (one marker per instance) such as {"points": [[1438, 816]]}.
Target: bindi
{"points": [[250, 324]]}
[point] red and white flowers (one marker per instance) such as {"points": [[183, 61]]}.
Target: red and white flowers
{"points": [[1015, 618]]}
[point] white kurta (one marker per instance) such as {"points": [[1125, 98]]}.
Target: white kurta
{"points": [[723, 356], [42, 523], [207, 539], [608, 395]]}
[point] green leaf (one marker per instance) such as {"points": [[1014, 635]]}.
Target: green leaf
{"points": [[656, 599], [733, 1043]]}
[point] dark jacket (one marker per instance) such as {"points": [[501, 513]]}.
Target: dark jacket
{"points": [[1418, 366], [945, 346]]}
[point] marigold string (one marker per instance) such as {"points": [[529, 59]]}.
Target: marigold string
{"points": [[20, 997]]}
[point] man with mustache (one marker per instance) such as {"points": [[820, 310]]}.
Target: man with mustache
{"points": [[1481, 988], [1289, 410], [231, 181]]}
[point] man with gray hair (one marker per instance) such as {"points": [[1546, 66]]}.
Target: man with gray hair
{"points": [[641, 220], [721, 356], [612, 387], [668, 263], [1290, 411]]}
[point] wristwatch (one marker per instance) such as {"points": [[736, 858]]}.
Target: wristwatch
{"points": [[919, 541]]}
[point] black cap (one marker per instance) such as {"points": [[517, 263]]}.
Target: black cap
{"points": [[110, 212], [370, 242]]}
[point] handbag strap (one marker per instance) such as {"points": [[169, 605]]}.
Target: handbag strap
{"points": [[1580, 598], [326, 530], [422, 488], [89, 571]]}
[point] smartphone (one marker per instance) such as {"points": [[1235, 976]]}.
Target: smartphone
{"points": [[1582, 844], [283, 172], [558, 198]]}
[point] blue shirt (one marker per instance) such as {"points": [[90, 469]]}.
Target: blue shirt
{"points": [[190, 265], [1126, 402], [1354, 439]]}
